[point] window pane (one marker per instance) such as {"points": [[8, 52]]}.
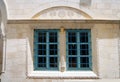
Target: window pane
{"points": [[84, 65], [84, 50], [42, 37], [72, 49], [72, 62], [46, 49], [41, 49], [72, 37], [41, 52], [41, 62], [84, 46], [53, 37], [42, 46], [53, 62], [53, 49], [84, 62], [84, 37]]}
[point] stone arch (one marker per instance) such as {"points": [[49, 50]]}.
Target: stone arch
{"points": [[61, 12], [61, 4]]}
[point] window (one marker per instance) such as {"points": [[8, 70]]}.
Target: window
{"points": [[62, 53], [46, 49], [78, 50]]}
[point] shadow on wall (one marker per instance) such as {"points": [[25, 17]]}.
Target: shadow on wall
{"points": [[85, 2]]}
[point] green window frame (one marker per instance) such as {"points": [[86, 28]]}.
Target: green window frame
{"points": [[46, 52], [78, 49]]}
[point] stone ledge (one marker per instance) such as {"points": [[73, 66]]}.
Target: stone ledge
{"points": [[62, 75], [89, 21]]}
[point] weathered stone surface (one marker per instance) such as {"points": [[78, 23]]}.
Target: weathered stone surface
{"points": [[23, 16], [19, 56], [97, 9]]}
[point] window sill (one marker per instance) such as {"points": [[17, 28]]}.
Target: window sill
{"points": [[63, 75]]}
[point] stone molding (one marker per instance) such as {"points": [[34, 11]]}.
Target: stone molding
{"points": [[61, 13], [62, 75], [63, 21]]}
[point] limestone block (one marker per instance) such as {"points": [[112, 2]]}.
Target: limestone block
{"points": [[108, 51]]}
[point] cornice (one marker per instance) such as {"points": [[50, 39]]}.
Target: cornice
{"points": [[63, 21]]}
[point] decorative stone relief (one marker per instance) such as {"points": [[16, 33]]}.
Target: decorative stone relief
{"points": [[70, 13], [52, 14], [61, 13]]}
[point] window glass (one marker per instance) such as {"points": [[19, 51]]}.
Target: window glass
{"points": [[78, 50], [46, 49]]}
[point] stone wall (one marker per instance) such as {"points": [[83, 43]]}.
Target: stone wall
{"points": [[20, 46], [97, 9]]}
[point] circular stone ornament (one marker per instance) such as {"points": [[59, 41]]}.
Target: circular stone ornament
{"points": [[61, 13]]}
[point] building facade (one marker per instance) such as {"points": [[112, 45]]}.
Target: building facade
{"points": [[59, 41]]}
